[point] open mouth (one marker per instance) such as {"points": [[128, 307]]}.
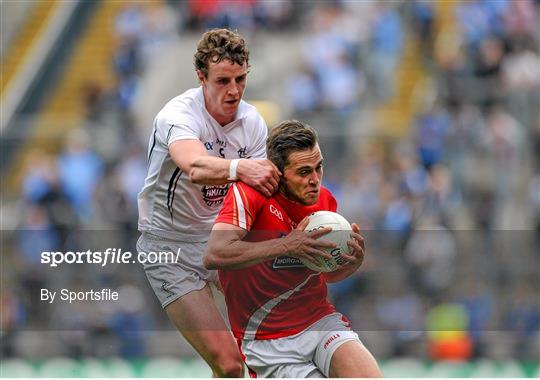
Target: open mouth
{"points": [[231, 102]]}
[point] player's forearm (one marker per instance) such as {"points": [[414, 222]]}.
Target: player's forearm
{"points": [[209, 171], [222, 254]]}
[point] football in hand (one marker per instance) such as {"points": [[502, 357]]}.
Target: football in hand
{"points": [[339, 235]]}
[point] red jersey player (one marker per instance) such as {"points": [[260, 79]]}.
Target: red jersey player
{"points": [[278, 308]]}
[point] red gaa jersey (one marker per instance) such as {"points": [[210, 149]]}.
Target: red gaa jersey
{"points": [[279, 297]]}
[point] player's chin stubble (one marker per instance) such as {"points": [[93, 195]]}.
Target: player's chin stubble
{"points": [[285, 189]]}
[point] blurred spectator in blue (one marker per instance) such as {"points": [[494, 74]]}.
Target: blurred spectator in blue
{"points": [[330, 53], [482, 206], [462, 140], [480, 306], [362, 200], [480, 18], [127, 59], [440, 199], [40, 178], [487, 70], [423, 19], [453, 72], [387, 44], [80, 169], [43, 190], [36, 235], [431, 131], [327, 40], [430, 254], [116, 195], [522, 319], [130, 322], [400, 311], [397, 215], [303, 92], [130, 21], [113, 205], [341, 85], [160, 22], [131, 172], [128, 67], [412, 178], [126, 93], [503, 139], [331, 81]]}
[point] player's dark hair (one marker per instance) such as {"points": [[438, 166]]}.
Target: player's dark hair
{"points": [[217, 45], [287, 137]]}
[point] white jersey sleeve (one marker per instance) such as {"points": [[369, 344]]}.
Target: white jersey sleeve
{"points": [[175, 124]]}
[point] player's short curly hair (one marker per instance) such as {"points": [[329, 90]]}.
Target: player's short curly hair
{"points": [[287, 137], [217, 45]]}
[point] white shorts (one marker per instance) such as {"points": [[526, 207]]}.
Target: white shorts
{"points": [[306, 354], [172, 280]]}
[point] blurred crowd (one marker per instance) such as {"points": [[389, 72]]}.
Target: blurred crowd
{"points": [[450, 212]]}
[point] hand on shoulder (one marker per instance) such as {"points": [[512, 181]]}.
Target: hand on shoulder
{"points": [[260, 174]]}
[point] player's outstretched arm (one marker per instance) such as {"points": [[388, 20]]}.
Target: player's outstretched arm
{"points": [[227, 250], [354, 260], [191, 157]]}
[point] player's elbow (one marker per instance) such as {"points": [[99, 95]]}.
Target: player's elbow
{"points": [[209, 260], [196, 177]]}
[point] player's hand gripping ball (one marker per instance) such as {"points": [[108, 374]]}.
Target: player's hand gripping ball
{"points": [[340, 234]]}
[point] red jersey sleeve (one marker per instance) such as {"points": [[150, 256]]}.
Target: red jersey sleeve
{"points": [[241, 206]]}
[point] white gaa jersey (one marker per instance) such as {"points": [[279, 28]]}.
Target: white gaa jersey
{"points": [[169, 204]]}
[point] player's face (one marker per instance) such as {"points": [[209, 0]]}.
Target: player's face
{"points": [[301, 181], [223, 89]]}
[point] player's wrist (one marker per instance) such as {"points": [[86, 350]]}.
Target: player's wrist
{"points": [[284, 247], [233, 169]]}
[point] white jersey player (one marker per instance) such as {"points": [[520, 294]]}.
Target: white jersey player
{"points": [[201, 141], [170, 204]]}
